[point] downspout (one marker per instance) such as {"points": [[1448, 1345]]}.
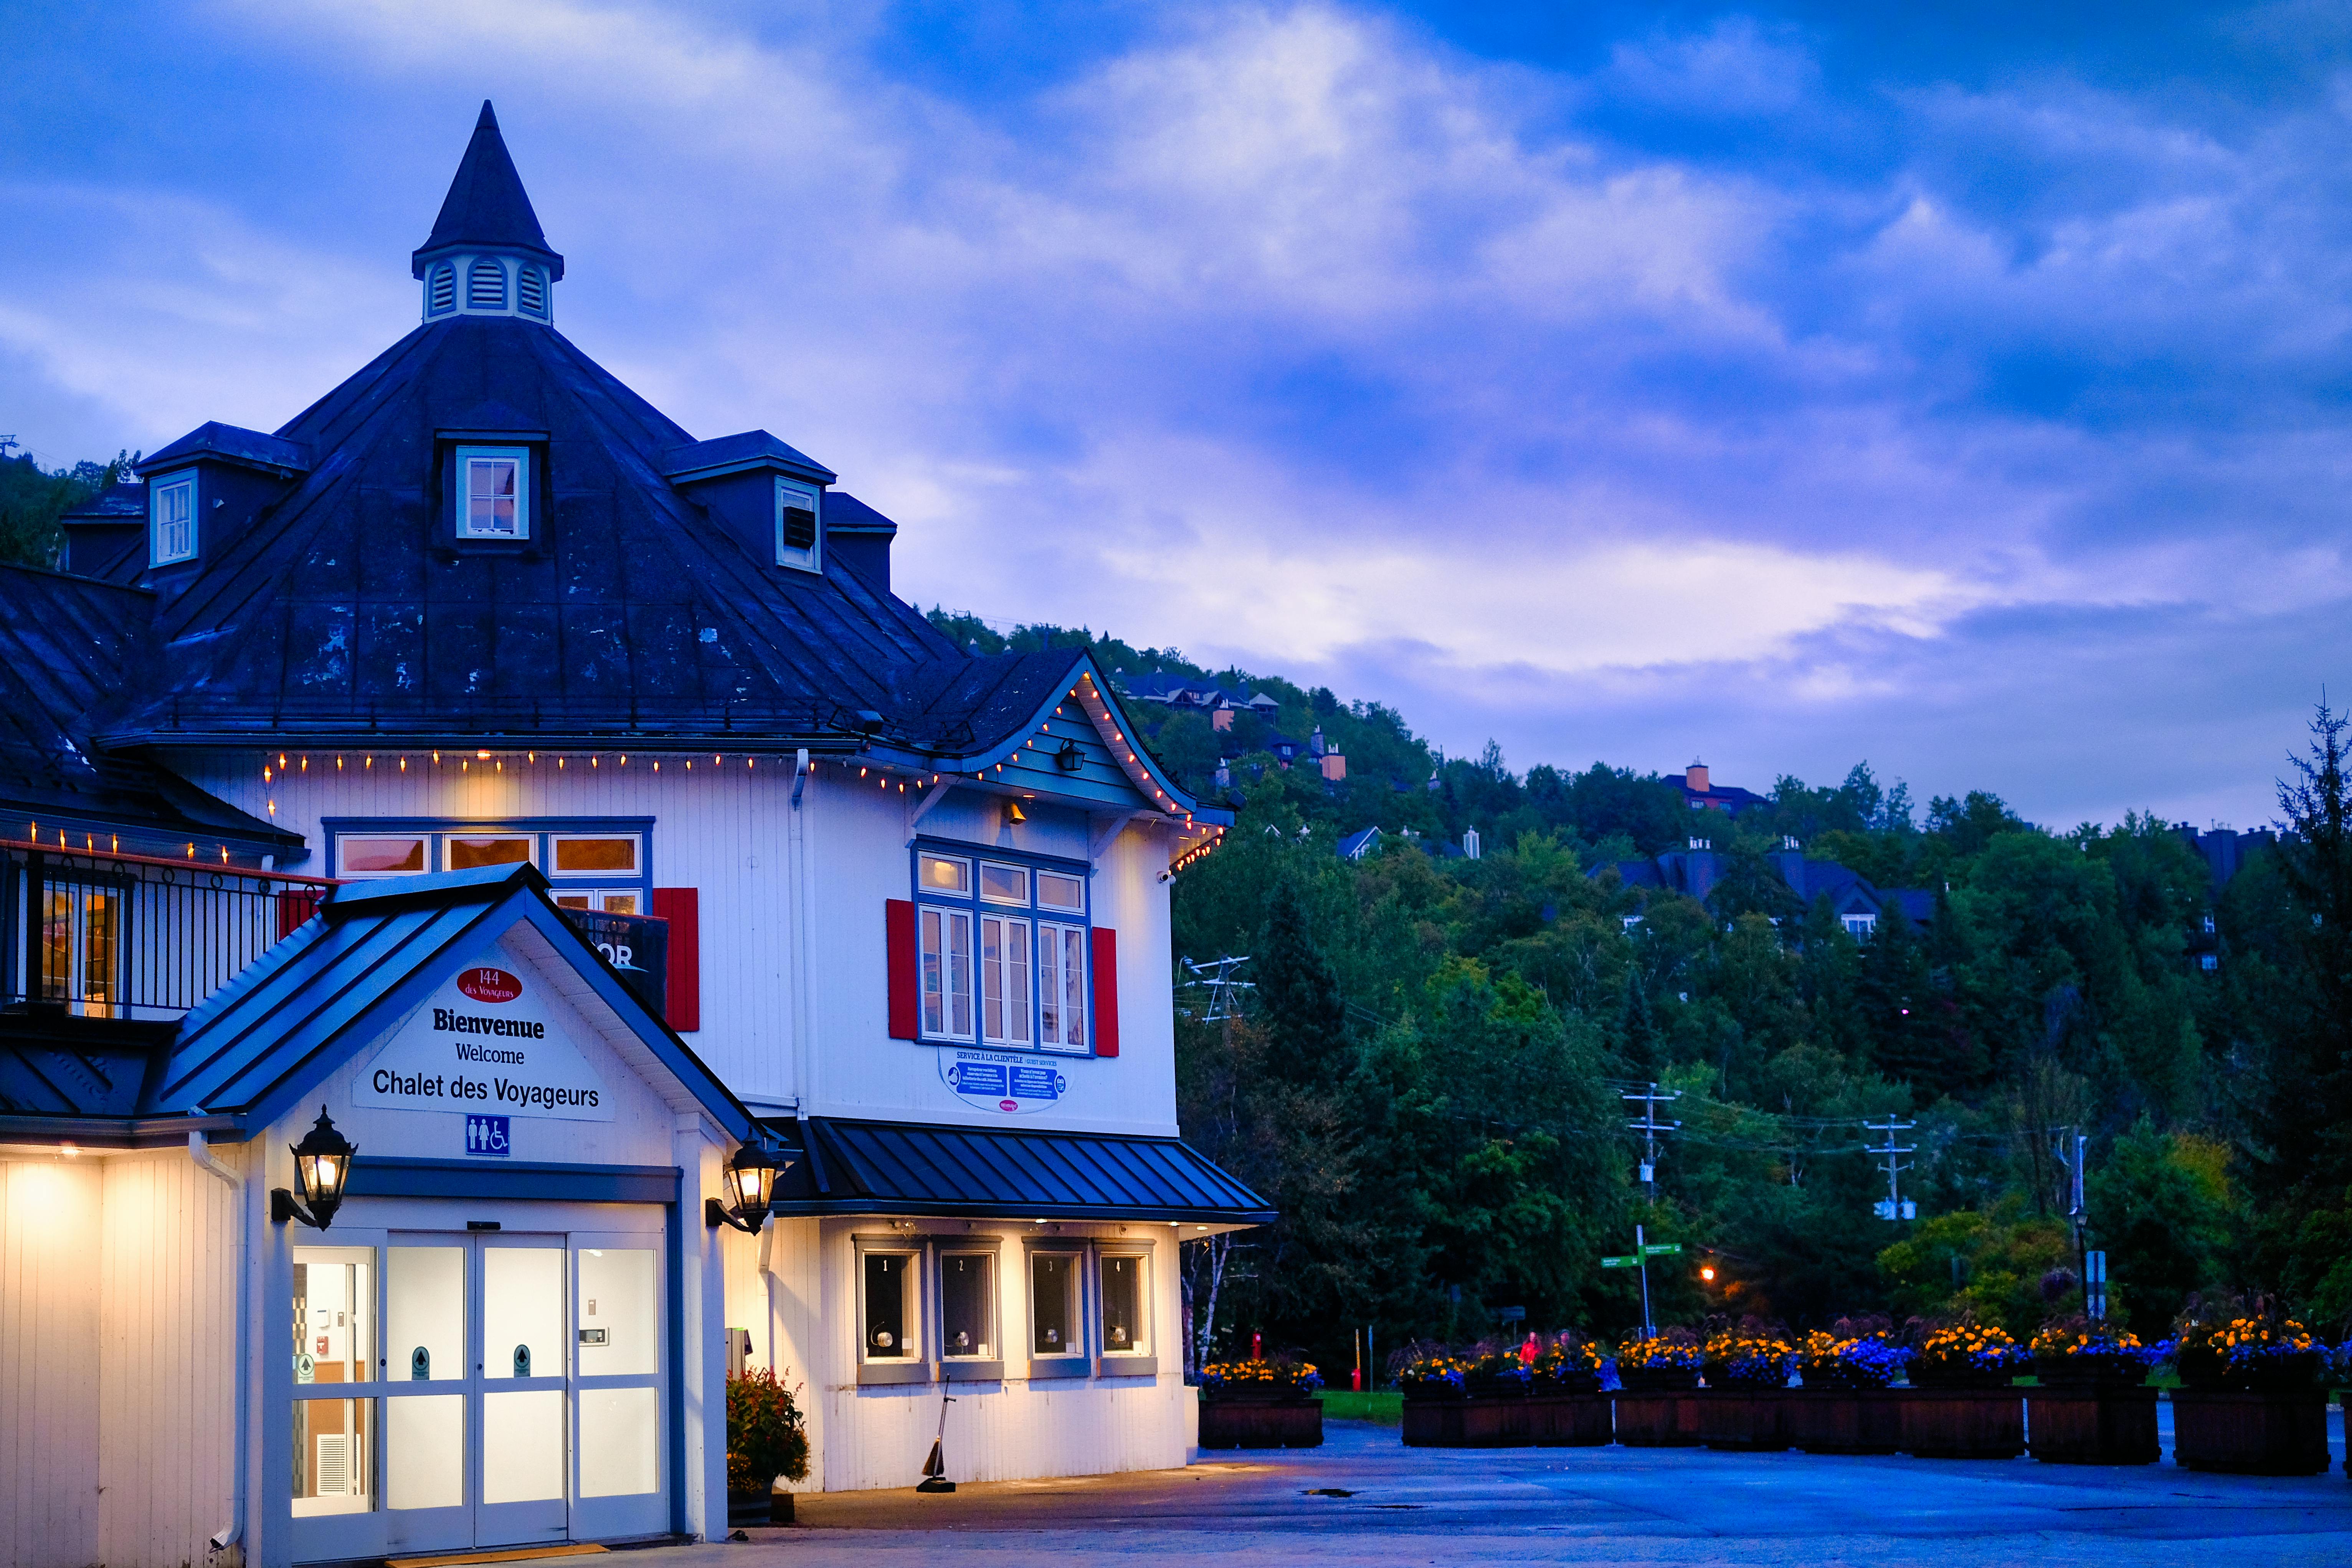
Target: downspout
{"points": [[797, 895], [210, 1162]]}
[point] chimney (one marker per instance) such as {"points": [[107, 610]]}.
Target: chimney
{"points": [[1335, 767], [1694, 777], [1470, 843], [1221, 717]]}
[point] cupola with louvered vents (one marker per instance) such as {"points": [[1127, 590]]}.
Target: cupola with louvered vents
{"points": [[487, 239]]}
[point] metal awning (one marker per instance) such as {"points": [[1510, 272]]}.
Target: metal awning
{"points": [[851, 1167]]}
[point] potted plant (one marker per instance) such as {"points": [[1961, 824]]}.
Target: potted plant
{"points": [[1844, 1406], [1566, 1406], [1435, 1385], [767, 1443], [1747, 1369], [1959, 1405], [2252, 1402], [1657, 1376], [2091, 1407], [1261, 1405], [1495, 1413]]}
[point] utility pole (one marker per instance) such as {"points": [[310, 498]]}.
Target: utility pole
{"points": [[1651, 1129], [2073, 1153], [1217, 974], [1892, 1205]]}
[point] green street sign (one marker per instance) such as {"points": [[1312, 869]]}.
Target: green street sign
{"points": [[1619, 1262], [1660, 1249]]}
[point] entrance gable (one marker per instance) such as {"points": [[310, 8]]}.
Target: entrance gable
{"points": [[385, 980]]}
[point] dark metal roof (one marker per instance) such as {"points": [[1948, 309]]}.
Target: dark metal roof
{"points": [[54, 1065], [68, 646], [745, 449], [229, 443], [374, 949], [487, 205], [913, 1169]]}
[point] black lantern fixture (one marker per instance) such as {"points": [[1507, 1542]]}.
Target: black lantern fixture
{"points": [[750, 1178], [322, 1164]]}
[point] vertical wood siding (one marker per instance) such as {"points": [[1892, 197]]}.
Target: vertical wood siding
{"points": [[50, 1219], [166, 1263]]}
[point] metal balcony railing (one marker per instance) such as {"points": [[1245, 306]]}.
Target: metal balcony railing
{"points": [[135, 936]]}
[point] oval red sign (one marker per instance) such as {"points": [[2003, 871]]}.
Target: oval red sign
{"points": [[489, 986]]}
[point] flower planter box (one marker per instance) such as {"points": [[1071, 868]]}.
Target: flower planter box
{"points": [[1745, 1419], [1495, 1423], [1963, 1423], [759, 1508], [1844, 1420], [1568, 1420], [1289, 1423], [2250, 1433], [1660, 1420], [2092, 1424]]}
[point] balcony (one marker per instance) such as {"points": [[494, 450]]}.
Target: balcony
{"points": [[135, 937]]}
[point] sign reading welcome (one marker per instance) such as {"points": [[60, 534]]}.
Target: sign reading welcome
{"points": [[483, 1044]]}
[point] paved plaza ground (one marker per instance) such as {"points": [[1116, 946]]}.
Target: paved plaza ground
{"points": [[1576, 1505]]}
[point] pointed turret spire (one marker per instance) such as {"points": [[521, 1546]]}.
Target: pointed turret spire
{"points": [[487, 205], [487, 254]]}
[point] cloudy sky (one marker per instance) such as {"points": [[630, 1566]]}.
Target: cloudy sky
{"points": [[1782, 387]]}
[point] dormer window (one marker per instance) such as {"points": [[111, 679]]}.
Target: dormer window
{"points": [[797, 532], [485, 284], [172, 521], [493, 492], [441, 291]]}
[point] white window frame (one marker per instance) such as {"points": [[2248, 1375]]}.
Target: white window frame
{"points": [[343, 842], [812, 558], [159, 494], [1049, 912], [1860, 926], [1064, 1029], [449, 842], [1141, 1357], [1008, 996], [466, 457], [943, 940], [556, 841], [915, 1366]]}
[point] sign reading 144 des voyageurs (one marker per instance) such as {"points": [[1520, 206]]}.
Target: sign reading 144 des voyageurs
{"points": [[485, 1043]]}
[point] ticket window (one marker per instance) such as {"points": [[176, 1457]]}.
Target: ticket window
{"points": [[334, 1346], [1124, 1293], [969, 1347], [1057, 1329], [889, 1316]]}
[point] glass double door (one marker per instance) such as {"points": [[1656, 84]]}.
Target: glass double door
{"points": [[516, 1391]]}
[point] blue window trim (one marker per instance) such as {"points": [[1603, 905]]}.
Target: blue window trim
{"points": [[155, 488], [972, 903], [333, 829]]}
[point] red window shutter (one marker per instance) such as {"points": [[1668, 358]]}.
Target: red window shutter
{"points": [[1106, 962], [906, 995], [682, 906], [296, 905]]}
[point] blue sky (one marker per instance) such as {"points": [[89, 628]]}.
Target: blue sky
{"points": [[1966, 391]]}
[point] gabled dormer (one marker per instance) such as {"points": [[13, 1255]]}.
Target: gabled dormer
{"points": [[768, 495], [210, 480], [487, 255]]}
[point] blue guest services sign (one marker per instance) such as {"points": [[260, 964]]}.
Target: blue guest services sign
{"points": [[1002, 1081]]}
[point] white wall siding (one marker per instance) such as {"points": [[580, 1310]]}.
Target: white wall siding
{"points": [[50, 1218], [167, 1261]]}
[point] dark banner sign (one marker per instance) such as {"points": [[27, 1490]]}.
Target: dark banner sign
{"points": [[636, 946]]}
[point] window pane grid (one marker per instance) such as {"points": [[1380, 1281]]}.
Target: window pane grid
{"points": [[1030, 975]]}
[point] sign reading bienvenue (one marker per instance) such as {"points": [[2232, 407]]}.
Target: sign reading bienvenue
{"points": [[484, 1045]]}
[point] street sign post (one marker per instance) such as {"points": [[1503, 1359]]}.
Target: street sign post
{"points": [[1661, 1249]]}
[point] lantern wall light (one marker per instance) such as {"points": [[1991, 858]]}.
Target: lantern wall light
{"points": [[750, 1180], [322, 1166]]}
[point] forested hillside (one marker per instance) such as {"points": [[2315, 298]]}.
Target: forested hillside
{"points": [[1427, 1076]]}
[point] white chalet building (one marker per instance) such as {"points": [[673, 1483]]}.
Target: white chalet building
{"points": [[560, 809]]}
